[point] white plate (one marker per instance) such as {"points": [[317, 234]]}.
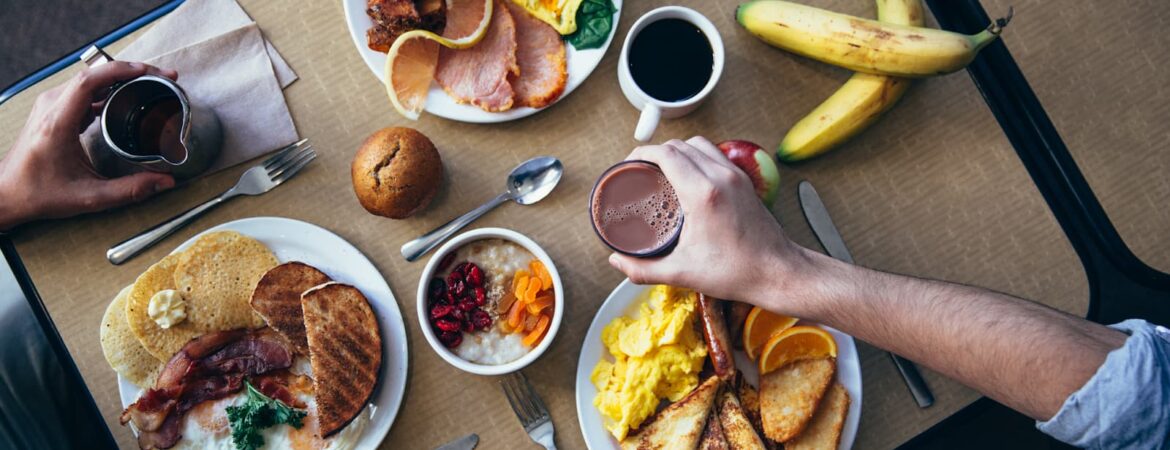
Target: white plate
{"points": [[623, 301], [580, 64], [293, 240]]}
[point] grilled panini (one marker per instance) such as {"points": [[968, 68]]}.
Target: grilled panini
{"points": [[345, 350], [278, 299]]}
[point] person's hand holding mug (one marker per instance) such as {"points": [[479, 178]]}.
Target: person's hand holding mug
{"points": [[46, 173], [731, 246]]}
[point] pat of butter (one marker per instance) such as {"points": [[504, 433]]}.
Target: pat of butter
{"points": [[167, 308]]}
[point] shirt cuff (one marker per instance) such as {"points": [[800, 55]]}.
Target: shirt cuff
{"points": [[1124, 405]]}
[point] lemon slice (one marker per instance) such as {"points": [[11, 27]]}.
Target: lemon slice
{"points": [[411, 61]]}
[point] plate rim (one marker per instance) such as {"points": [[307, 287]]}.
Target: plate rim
{"points": [[852, 420], [393, 313], [472, 114]]}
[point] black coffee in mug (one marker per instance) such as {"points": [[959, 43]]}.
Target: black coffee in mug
{"points": [[671, 60]]}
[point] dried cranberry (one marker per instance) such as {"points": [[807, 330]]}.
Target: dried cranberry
{"points": [[474, 275], [468, 305], [441, 311], [452, 299], [480, 296], [481, 319], [468, 326], [451, 339], [452, 277], [457, 314], [445, 262], [447, 325], [458, 288], [437, 289]]}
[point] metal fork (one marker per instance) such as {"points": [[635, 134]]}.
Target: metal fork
{"points": [[257, 180], [530, 409]]}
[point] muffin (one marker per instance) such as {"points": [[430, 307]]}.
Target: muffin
{"points": [[396, 172]]}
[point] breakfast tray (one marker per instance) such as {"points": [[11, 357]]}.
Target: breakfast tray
{"points": [[935, 189]]}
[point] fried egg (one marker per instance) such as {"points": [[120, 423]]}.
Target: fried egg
{"points": [[560, 14], [206, 425]]}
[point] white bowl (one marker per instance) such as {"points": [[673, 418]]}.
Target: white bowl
{"points": [[424, 321]]}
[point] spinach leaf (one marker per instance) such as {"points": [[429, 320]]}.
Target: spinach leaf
{"points": [[594, 23], [258, 413]]}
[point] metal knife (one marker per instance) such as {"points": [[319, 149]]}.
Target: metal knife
{"points": [[822, 226], [464, 443]]}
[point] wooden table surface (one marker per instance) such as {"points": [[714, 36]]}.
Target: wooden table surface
{"points": [[933, 190]]}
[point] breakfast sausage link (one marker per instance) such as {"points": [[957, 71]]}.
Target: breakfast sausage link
{"points": [[717, 337]]}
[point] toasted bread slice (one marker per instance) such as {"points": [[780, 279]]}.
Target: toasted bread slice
{"points": [[277, 298], [737, 429], [749, 399], [789, 396], [713, 434], [345, 350], [678, 426], [824, 432]]}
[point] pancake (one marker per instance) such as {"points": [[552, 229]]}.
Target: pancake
{"points": [[278, 300], [217, 275], [159, 342], [123, 352], [345, 350]]}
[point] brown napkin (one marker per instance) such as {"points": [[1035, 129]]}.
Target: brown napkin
{"points": [[195, 21], [234, 75]]}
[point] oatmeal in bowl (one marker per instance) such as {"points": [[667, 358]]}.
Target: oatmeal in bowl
{"points": [[489, 301]]}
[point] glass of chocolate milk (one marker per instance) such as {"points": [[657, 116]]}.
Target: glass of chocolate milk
{"points": [[635, 210]]}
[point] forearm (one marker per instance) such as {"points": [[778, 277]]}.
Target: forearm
{"points": [[1025, 355]]}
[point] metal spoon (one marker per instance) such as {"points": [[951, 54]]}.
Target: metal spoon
{"points": [[530, 182]]}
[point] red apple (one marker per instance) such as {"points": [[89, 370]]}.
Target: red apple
{"points": [[759, 166]]}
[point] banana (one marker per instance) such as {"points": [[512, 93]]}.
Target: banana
{"points": [[857, 104], [863, 45]]}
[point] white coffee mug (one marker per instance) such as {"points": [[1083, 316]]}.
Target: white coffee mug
{"points": [[654, 109]]}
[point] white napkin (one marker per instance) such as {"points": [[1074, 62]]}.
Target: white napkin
{"points": [[233, 74], [195, 21]]}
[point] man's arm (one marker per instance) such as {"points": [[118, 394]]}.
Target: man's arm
{"points": [[1022, 354]]}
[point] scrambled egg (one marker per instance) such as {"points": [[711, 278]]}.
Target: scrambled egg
{"points": [[560, 14], [657, 355]]}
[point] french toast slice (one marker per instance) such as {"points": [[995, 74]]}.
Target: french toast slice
{"points": [[680, 425]]}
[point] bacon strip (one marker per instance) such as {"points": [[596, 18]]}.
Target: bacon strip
{"points": [[210, 367]]}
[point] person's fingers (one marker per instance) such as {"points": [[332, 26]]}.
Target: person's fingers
{"points": [[116, 192], [709, 149], [643, 270], [677, 166], [91, 83], [702, 161]]}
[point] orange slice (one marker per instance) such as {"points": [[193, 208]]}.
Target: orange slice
{"points": [[794, 344], [411, 61], [760, 326]]}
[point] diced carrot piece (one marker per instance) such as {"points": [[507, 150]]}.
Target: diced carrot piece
{"points": [[540, 271], [534, 336], [505, 302], [516, 315], [541, 303], [520, 284], [533, 289]]}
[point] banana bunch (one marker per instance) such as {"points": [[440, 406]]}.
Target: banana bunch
{"points": [[885, 52]]}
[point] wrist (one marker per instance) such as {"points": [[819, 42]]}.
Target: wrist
{"points": [[811, 285]]}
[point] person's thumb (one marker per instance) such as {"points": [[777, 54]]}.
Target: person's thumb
{"points": [[128, 189], [640, 270]]}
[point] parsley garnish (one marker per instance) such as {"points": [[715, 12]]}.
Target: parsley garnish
{"points": [[258, 413]]}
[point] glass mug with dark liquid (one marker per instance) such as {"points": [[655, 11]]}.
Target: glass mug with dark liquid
{"points": [[150, 123], [670, 62], [635, 210]]}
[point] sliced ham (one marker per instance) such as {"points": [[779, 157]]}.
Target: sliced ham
{"points": [[479, 75], [540, 53]]}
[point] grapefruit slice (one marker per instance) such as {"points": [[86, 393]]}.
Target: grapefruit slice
{"points": [[411, 61]]}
